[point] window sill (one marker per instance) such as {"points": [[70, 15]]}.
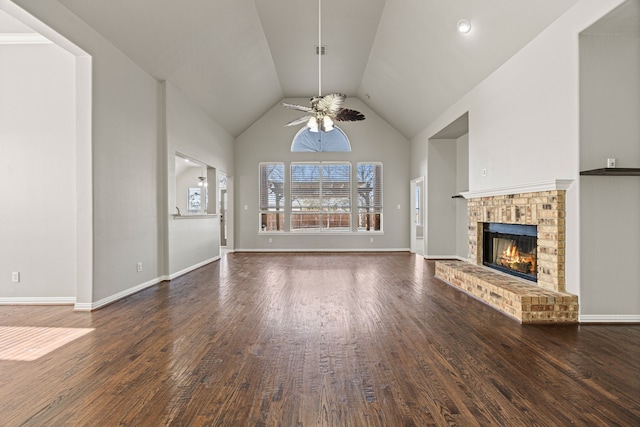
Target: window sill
{"points": [[195, 216], [320, 233]]}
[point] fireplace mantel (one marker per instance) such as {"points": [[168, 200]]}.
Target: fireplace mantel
{"points": [[551, 185]]}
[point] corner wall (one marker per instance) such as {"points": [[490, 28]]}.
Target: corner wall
{"points": [[610, 206], [128, 148], [441, 185], [529, 108]]}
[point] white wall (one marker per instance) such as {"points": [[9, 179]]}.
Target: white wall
{"points": [[609, 206], [371, 140], [193, 241], [528, 110], [37, 174]]}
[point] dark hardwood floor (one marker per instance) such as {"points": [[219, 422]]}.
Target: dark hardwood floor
{"points": [[318, 340]]}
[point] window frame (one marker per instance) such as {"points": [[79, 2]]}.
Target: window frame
{"points": [[372, 205], [264, 208], [338, 142], [328, 209]]}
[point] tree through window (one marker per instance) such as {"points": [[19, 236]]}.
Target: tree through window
{"points": [[320, 196], [272, 196], [369, 196]]}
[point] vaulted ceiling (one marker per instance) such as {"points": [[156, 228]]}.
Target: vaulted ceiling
{"points": [[238, 58]]}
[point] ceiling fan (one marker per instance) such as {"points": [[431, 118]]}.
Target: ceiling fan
{"points": [[326, 109]]}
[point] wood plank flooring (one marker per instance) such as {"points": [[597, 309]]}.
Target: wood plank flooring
{"points": [[318, 340]]}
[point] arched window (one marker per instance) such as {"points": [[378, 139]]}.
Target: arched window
{"points": [[333, 141]]}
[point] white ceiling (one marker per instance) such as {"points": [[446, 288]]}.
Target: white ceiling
{"points": [[238, 58]]}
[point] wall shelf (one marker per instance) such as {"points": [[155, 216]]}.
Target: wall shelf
{"points": [[612, 172]]}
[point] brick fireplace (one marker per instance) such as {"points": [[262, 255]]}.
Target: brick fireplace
{"points": [[544, 302], [546, 209]]}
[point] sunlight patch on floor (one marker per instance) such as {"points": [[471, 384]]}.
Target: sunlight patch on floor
{"points": [[26, 343]]}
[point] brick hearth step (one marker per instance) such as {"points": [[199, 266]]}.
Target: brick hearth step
{"points": [[518, 298]]}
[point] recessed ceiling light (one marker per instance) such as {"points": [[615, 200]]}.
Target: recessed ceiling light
{"points": [[464, 26]]}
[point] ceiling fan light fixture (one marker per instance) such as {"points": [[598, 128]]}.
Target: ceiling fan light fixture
{"points": [[464, 26], [312, 124], [327, 124]]}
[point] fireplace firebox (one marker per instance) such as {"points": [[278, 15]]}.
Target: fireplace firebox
{"points": [[511, 248]]}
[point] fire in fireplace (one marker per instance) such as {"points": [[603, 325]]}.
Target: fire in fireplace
{"points": [[511, 248]]}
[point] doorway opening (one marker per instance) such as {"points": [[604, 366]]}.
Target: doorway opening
{"points": [[417, 216], [223, 210]]}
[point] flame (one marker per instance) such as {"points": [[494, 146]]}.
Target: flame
{"points": [[511, 258]]}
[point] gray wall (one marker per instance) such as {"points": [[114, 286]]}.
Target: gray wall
{"points": [[371, 140], [441, 185], [37, 174], [609, 206], [128, 124], [448, 175], [462, 184], [193, 241], [125, 132]]}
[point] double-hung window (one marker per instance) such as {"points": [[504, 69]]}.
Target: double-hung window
{"points": [[272, 196], [369, 185], [320, 196]]}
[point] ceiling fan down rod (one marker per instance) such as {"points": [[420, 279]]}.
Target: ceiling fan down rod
{"points": [[319, 48]]}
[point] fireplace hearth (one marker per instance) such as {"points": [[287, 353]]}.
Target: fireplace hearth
{"points": [[511, 248]]}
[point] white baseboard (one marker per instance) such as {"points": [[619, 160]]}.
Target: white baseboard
{"points": [[125, 293], [325, 250], [191, 268], [38, 301], [609, 318], [115, 297]]}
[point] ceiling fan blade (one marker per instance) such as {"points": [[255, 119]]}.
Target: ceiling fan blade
{"points": [[347, 115], [299, 121], [298, 107]]}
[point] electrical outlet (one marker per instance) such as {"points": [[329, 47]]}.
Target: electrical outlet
{"points": [[484, 172], [270, 240], [15, 277], [370, 239], [139, 267], [611, 163]]}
